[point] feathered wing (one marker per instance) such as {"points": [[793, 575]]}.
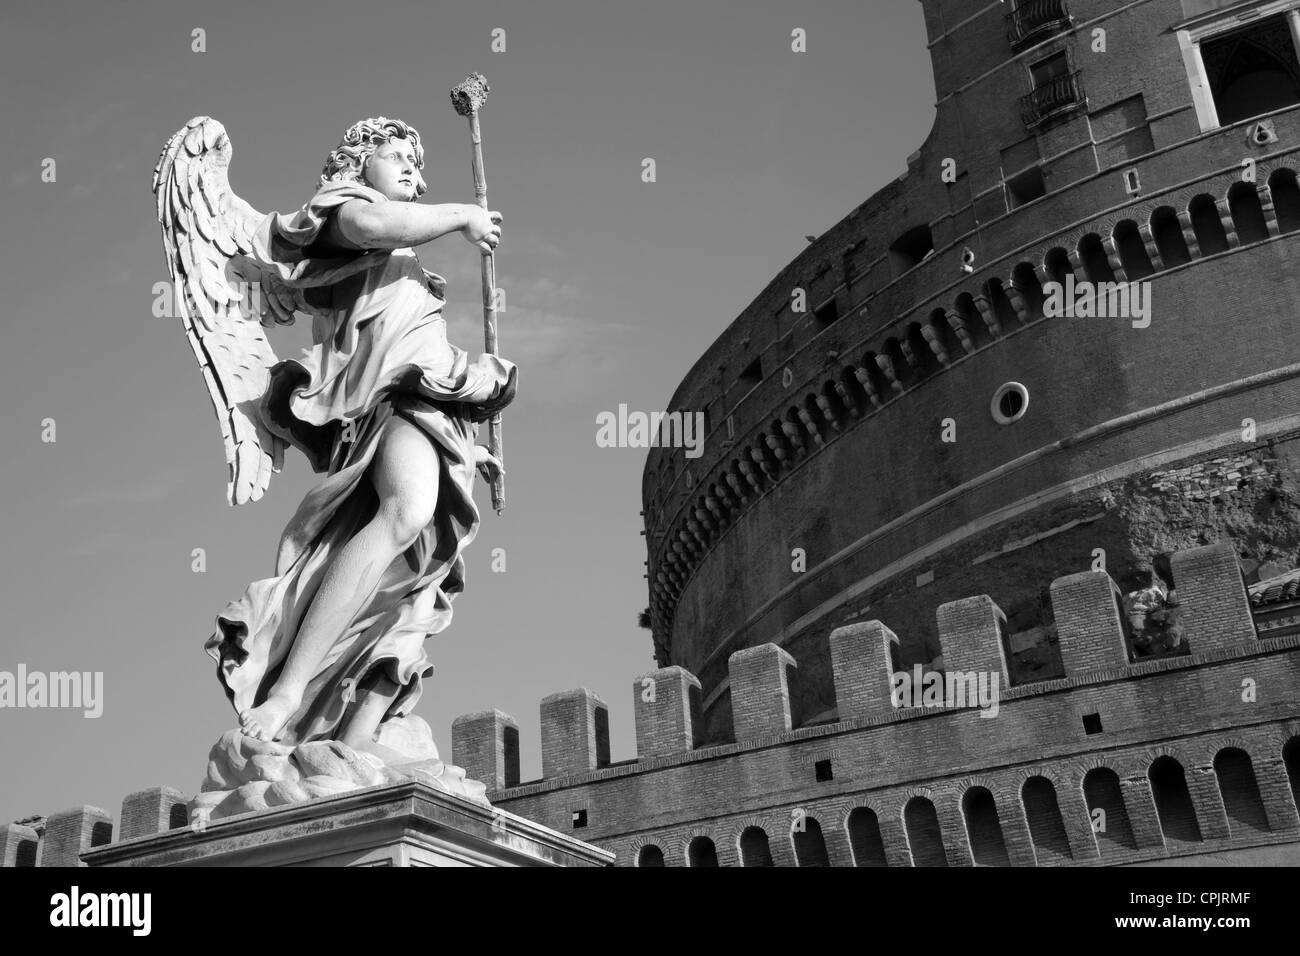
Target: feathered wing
{"points": [[219, 290]]}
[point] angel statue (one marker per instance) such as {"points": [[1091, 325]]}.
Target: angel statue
{"points": [[332, 646]]}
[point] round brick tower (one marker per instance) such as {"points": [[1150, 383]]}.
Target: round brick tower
{"points": [[904, 418]]}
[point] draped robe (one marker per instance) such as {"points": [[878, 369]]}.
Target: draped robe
{"points": [[380, 350]]}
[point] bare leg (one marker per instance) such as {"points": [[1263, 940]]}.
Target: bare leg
{"points": [[405, 477], [376, 695]]}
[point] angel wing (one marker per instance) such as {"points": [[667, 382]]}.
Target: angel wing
{"points": [[224, 298]]}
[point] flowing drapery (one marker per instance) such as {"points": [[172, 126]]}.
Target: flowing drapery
{"points": [[380, 350]]}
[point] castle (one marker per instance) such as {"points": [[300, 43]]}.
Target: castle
{"points": [[1097, 512], [922, 431]]}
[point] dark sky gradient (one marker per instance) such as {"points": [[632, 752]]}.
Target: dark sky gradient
{"points": [[613, 288]]}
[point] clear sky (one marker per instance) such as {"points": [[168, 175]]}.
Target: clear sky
{"points": [[613, 288]]}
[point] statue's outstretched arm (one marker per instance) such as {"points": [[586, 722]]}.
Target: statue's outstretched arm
{"points": [[400, 225]]}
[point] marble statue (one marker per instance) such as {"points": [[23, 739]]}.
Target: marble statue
{"points": [[324, 661]]}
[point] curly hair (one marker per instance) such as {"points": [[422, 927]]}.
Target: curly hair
{"points": [[348, 161]]}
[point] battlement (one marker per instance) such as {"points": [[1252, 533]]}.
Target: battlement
{"points": [[61, 838], [1093, 637], [1192, 754]]}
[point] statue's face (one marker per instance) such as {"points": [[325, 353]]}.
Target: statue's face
{"points": [[391, 169]]}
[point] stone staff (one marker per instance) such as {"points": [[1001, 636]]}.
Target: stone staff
{"points": [[468, 97]]}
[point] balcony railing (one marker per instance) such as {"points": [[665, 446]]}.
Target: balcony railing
{"points": [[1034, 20], [1055, 97]]}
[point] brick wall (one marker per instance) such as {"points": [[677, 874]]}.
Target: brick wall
{"points": [[1189, 708]]}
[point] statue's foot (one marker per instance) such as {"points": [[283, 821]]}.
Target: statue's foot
{"points": [[266, 720]]}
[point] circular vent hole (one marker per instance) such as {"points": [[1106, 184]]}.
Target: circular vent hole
{"points": [[1010, 402]]}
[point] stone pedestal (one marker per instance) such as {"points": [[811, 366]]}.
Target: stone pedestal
{"points": [[399, 824]]}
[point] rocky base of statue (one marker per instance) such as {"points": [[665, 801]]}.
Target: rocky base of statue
{"points": [[247, 775]]}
